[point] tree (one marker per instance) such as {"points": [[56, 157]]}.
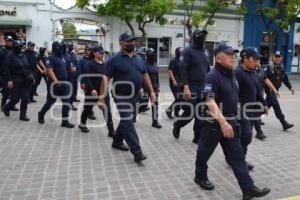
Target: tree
{"points": [[69, 29], [277, 16], [204, 14], [141, 12]]}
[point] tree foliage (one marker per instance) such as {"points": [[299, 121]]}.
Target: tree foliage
{"points": [[141, 12], [69, 29]]}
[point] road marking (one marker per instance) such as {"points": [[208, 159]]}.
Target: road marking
{"points": [[291, 198]]}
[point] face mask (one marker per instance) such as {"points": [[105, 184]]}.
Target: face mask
{"points": [[129, 48], [42, 52], [64, 49], [199, 41], [177, 54], [17, 50], [71, 48], [57, 49]]}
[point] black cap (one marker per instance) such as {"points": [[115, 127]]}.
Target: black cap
{"points": [[223, 47], [197, 32], [126, 36], [9, 38], [17, 43], [88, 47], [98, 49], [250, 52], [277, 54], [30, 44]]}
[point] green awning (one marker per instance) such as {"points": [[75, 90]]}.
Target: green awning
{"points": [[16, 22]]}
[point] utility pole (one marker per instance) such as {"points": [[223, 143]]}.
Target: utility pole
{"points": [[184, 24]]}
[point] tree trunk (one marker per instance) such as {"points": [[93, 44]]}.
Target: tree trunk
{"points": [[130, 27], [189, 28]]}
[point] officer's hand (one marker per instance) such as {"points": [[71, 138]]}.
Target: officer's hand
{"points": [[141, 92], [187, 93], [82, 86], [10, 84], [293, 91], [152, 97], [175, 83], [277, 93], [227, 130], [33, 81], [266, 109], [94, 93], [101, 103]]}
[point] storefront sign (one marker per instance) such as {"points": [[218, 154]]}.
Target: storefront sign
{"points": [[9, 12]]}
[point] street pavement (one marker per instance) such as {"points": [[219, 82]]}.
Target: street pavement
{"points": [[49, 162]]}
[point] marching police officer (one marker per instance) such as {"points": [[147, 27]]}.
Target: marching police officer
{"points": [[174, 78], [75, 77], [276, 74], [152, 70], [57, 86], [221, 126], [42, 71], [194, 66], [250, 96], [92, 90], [128, 72], [3, 52], [19, 79], [80, 70]]}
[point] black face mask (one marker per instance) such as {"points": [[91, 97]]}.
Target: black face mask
{"points": [[42, 52], [177, 55], [151, 58], [57, 50], [199, 40], [129, 48], [64, 49], [17, 50], [71, 48]]}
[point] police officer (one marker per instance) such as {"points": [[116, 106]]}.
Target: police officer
{"points": [[57, 86], [276, 74], [94, 69], [75, 77], [152, 70], [32, 58], [221, 126], [42, 71], [250, 96], [3, 52], [194, 66], [128, 72], [174, 81], [19, 79], [263, 82], [80, 70], [71, 72]]}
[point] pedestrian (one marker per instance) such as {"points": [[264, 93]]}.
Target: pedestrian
{"points": [[42, 71], [19, 78], [221, 126], [276, 74], [57, 86], [175, 84], [128, 72], [75, 77], [194, 65]]}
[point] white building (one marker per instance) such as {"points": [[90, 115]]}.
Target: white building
{"points": [[38, 19]]}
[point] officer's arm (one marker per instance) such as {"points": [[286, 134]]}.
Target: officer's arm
{"points": [[271, 86], [286, 80], [183, 66], [103, 92], [6, 69], [51, 74]]}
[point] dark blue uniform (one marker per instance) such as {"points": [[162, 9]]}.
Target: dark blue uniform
{"points": [[194, 66], [32, 58], [94, 83], [174, 66], [222, 85], [81, 67], [71, 75], [249, 93], [61, 90], [277, 75], [75, 77], [4, 51], [130, 72], [17, 69]]}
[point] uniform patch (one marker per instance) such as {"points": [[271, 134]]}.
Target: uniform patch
{"points": [[47, 62], [207, 88]]}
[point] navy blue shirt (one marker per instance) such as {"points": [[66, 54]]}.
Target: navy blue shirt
{"points": [[16, 67], [152, 70], [175, 68], [249, 85], [123, 68], [261, 75], [222, 86], [94, 68], [32, 58], [73, 58], [276, 74], [80, 69], [59, 66], [197, 64]]}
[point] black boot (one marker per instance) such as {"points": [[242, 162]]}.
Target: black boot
{"points": [[204, 184], [24, 118], [139, 157], [286, 125], [156, 124], [41, 118], [169, 113], [83, 128], [260, 135], [255, 193], [176, 130], [5, 110], [67, 124], [111, 131]]}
